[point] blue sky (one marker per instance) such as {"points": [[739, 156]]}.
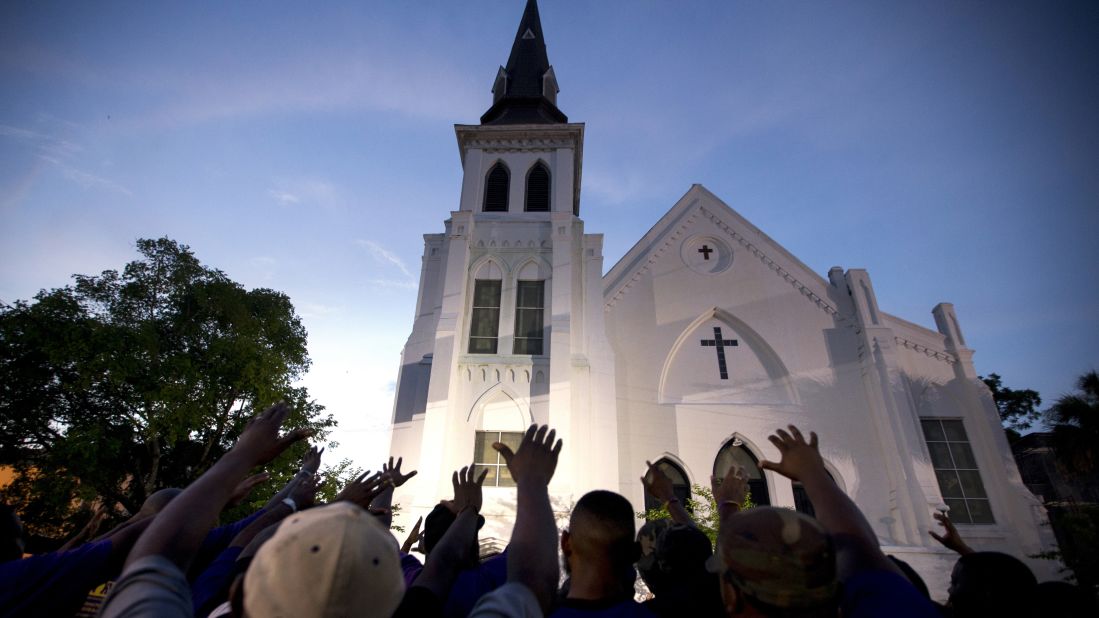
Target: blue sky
{"points": [[950, 148]]}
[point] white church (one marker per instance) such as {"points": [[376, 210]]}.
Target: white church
{"points": [[692, 349]]}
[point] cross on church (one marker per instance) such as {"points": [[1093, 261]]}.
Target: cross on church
{"points": [[719, 343], [705, 251]]}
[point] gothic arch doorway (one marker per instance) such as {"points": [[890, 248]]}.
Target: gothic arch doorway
{"points": [[735, 452], [681, 486]]}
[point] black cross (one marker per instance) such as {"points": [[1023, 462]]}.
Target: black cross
{"points": [[720, 344], [705, 251]]}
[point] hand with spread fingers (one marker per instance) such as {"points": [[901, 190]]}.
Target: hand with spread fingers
{"points": [[536, 459], [363, 490], [951, 539], [260, 441], [657, 483], [467, 491], [414, 536], [800, 459], [394, 472], [732, 489]]}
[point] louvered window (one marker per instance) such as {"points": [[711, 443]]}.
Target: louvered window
{"points": [[538, 189], [484, 323], [529, 303], [496, 189]]}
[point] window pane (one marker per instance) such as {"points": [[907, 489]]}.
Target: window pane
{"points": [[486, 293], [979, 511], [801, 501], [759, 492], [531, 294], [963, 456], [958, 513], [672, 472], [971, 484], [505, 477], [940, 455], [512, 439], [482, 447], [949, 484], [485, 323], [528, 346], [528, 323], [933, 431], [954, 431], [490, 478], [482, 345]]}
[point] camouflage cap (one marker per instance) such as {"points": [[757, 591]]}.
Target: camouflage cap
{"points": [[777, 556]]}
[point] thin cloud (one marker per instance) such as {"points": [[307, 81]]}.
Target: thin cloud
{"points": [[86, 179], [394, 284], [284, 197], [311, 191], [385, 256]]}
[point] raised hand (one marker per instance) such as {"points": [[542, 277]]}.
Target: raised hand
{"points": [[414, 537], [362, 490], [800, 459], [731, 489], [657, 483], [304, 494], [951, 540], [467, 492], [394, 472], [260, 441], [311, 462], [536, 459], [243, 488]]}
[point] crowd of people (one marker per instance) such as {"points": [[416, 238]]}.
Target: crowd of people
{"points": [[296, 558]]}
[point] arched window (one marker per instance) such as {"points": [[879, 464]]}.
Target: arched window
{"points": [[734, 453], [538, 189], [496, 189], [680, 485]]}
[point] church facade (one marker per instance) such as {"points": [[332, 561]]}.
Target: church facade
{"points": [[700, 342]]}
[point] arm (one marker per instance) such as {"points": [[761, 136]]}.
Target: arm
{"points": [[177, 532], [857, 547], [88, 531], [951, 540], [310, 463], [453, 551], [413, 537], [658, 485], [383, 503], [532, 553]]}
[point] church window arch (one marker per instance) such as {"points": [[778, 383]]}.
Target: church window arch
{"points": [[497, 184], [734, 452], [484, 314], [681, 485], [538, 188]]}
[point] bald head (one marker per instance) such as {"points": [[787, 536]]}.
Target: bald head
{"points": [[157, 501]]}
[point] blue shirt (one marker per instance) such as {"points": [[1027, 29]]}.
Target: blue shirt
{"points": [[53, 584], [576, 608], [884, 593], [212, 587]]}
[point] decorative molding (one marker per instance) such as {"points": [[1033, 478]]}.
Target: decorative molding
{"points": [[668, 242], [933, 353]]}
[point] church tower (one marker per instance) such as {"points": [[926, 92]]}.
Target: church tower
{"points": [[509, 317]]}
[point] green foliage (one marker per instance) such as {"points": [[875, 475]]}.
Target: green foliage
{"points": [[126, 382], [703, 509], [1075, 421], [1018, 408], [1077, 536]]}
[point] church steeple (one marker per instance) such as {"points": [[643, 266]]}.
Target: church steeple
{"points": [[525, 91]]}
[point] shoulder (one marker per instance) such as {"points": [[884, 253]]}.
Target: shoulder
{"points": [[884, 593]]}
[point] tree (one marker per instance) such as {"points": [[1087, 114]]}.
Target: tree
{"points": [[1018, 408], [126, 382], [1075, 421], [703, 509]]}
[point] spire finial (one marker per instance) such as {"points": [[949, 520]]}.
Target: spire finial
{"points": [[525, 90]]}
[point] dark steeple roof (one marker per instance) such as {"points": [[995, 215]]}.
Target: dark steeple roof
{"points": [[525, 91]]}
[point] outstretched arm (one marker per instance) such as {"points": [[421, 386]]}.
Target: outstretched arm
{"points": [[951, 539], [383, 504], [177, 532], [857, 547], [658, 485], [532, 553], [453, 551]]}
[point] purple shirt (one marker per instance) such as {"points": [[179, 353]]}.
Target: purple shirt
{"points": [[53, 584]]}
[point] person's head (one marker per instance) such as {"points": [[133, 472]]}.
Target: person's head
{"points": [[157, 500], [12, 539], [600, 538], [989, 583], [334, 560], [436, 524], [673, 566], [776, 562]]}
